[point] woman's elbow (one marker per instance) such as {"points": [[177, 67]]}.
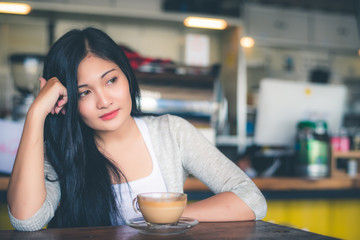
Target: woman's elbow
{"points": [[261, 209]]}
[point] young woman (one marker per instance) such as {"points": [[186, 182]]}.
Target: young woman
{"points": [[86, 151]]}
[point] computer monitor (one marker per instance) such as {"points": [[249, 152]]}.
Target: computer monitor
{"points": [[9, 141], [283, 103]]}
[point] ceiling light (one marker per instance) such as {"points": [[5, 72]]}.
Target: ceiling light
{"points": [[247, 42], [14, 8], [199, 22]]}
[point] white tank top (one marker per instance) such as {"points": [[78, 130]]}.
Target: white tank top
{"points": [[126, 192]]}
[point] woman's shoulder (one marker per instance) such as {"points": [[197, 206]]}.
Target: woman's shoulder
{"points": [[168, 125], [166, 119]]}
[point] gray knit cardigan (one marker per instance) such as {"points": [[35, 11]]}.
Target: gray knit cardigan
{"points": [[181, 150]]}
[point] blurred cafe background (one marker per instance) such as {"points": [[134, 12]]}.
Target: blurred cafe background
{"points": [[274, 84]]}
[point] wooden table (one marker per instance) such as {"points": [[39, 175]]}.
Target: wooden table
{"points": [[208, 231]]}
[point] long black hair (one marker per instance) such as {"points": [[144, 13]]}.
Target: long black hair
{"points": [[84, 173]]}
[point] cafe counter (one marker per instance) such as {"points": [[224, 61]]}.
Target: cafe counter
{"points": [[328, 206], [268, 184]]}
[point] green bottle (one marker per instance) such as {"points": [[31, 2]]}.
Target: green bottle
{"points": [[313, 149]]}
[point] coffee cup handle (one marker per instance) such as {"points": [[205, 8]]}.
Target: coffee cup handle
{"points": [[135, 205]]}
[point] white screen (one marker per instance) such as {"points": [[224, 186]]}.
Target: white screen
{"points": [[283, 103], [10, 134]]}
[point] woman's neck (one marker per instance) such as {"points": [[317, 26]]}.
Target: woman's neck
{"points": [[123, 134]]}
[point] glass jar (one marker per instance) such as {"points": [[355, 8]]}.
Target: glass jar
{"points": [[313, 149]]}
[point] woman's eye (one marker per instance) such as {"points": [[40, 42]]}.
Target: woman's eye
{"points": [[84, 93], [111, 81]]}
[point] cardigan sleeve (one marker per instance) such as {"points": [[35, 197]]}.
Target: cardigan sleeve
{"points": [[46, 212], [204, 161]]}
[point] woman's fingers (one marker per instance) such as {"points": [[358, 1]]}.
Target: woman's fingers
{"points": [[42, 82], [61, 103], [57, 110], [52, 96]]}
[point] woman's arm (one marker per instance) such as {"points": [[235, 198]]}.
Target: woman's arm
{"points": [[236, 194], [26, 190], [225, 206]]}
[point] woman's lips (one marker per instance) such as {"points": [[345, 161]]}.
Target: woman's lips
{"points": [[110, 115]]}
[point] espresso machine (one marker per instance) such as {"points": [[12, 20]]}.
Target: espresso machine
{"points": [[25, 71]]}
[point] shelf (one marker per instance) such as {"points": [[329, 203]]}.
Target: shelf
{"points": [[287, 183], [4, 182], [341, 174], [348, 154], [200, 81], [267, 184], [109, 9]]}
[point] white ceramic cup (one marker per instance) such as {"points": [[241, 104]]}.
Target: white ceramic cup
{"points": [[160, 207]]}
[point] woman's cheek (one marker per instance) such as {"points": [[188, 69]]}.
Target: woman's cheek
{"points": [[83, 109]]}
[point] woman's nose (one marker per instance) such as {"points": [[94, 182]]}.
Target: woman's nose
{"points": [[104, 100]]}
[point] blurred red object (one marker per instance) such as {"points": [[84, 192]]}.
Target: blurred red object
{"points": [[136, 60]]}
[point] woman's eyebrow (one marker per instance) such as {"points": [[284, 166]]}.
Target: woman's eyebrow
{"points": [[102, 76]]}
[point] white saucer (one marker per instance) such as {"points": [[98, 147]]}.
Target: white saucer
{"points": [[183, 225]]}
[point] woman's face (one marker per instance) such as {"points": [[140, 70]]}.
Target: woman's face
{"points": [[104, 95]]}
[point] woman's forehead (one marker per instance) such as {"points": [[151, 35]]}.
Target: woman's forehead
{"points": [[93, 64], [95, 68]]}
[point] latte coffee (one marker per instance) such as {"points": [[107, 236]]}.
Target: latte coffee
{"points": [[161, 208]]}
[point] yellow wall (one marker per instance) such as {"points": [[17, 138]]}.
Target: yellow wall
{"points": [[4, 218], [336, 218]]}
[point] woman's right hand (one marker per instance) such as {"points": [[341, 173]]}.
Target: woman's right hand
{"points": [[52, 97]]}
